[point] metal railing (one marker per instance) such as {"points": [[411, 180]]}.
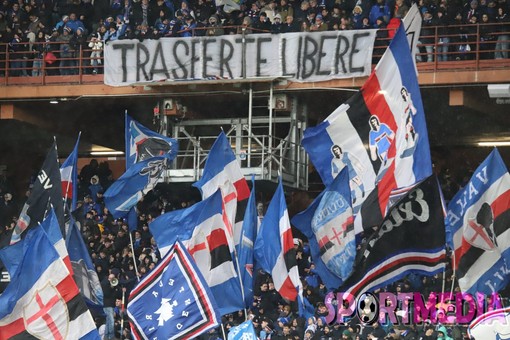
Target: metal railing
{"points": [[441, 48], [269, 157]]}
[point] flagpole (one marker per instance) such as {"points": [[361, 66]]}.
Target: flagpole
{"points": [[223, 331], [134, 258], [122, 314], [453, 276]]}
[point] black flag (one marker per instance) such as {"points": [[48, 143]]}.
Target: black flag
{"points": [[411, 239], [46, 193]]}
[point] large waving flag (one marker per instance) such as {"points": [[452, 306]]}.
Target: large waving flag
{"points": [[173, 301], [379, 134], [411, 239], [42, 300], [12, 259], [222, 171], [137, 181], [69, 176], [202, 230], [245, 247], [328, 223], [84, 272], [479, 222], [143, 143], [46, 193], [274, 248]]}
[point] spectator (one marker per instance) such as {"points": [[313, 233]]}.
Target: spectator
{"points": [[487, 38], [319, 25], [284, 9], [357, 17], [503, 37], [443, 42], [262, 25], [427, 35], [111, 293], [38, 49], [96, 45], [379, 10], [74, 24], [214, 26], [289, 26], [276, 26], [271, 10]]}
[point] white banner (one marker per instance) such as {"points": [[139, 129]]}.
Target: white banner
{"points": [[301, 57]]}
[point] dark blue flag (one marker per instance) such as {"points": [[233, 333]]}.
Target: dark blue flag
{"points": [[84, 272], [173, 301], [143, 143], [139, 179]]}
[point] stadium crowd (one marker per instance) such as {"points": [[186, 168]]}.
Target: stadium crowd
{"points": [[115, 256], [55, 32]]}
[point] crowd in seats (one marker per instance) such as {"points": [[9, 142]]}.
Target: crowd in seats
{"points": [[54, 33], [115, 255]]}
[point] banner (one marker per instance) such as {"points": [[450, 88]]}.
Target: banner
{"points": [[302, 57]]}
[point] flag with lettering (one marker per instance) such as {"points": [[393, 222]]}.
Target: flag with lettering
{"points": [[411, 239], [379, 134], [328, 223], [173, 300], [478, 220], [69, 176], [222, 170], [143, 143], [42, 301], [202, 230], [84, 271], [274, 248], [45, 194], [244, 331], [245, 247], [135, 183]]}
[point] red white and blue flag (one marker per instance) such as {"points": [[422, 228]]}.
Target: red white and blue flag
{"points": [[42, 301], [379, 134], [69, 176], [222, 171], [274, 248], [478, 223], [201, 228], [173, 301]]}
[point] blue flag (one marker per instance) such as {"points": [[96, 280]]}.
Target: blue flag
{"points": [[243, 331], [328, 225], [139, 179], [84, 272], [202, 229], [274, 248], [478, 224], [143, 143], [173, 301], [42, 300], [245, 247]]}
